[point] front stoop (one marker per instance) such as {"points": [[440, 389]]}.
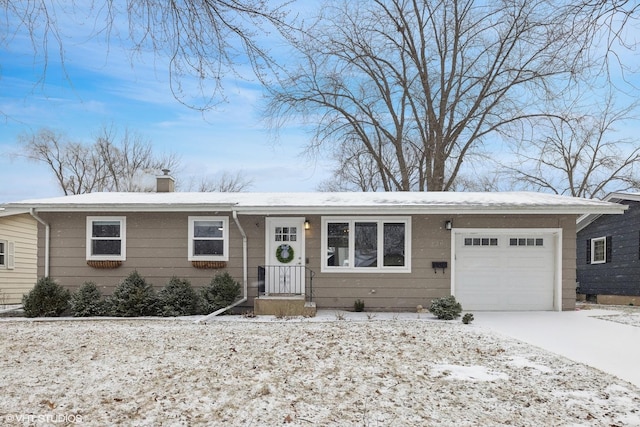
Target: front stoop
{"points": [[283, 307]]}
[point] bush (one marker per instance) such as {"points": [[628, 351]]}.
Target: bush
{"points": [[87, 301], [178, 298], [133, 297], [467, 318], [221, 292], [446, 308], [47, 298], [358, 305]]}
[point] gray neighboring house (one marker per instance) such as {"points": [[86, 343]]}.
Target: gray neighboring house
{"points": [[394, 251], [608, 253]]}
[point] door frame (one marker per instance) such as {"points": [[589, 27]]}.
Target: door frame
{"points": [[557, 248], [300, 258]]}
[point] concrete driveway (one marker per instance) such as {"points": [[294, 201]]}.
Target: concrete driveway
{"points": [[583, 336]]}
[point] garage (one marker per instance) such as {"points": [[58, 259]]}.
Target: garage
{"points": [[505, 269]]}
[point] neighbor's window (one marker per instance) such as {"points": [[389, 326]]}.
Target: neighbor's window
{"points": [[599, 250], [208, 238], [3, 253], [366, 244], [106, 238]]}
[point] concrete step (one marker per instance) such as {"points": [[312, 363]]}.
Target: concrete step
{"points": [[283, 307]]}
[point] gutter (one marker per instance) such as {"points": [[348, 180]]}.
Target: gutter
{"points": [[245, 274], [47, 239]]}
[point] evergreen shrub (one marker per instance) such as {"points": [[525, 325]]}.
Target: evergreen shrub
{"points": [[133, 297], [46, 299], [221, 292], [87, 301], [446, 308], [178, 298]]}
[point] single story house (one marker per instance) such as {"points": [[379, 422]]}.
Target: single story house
{"points": [[608, 253], [18, 252], [392, 250]]}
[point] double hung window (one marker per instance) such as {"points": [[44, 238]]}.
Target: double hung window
{"points": [[106, 238], [208, 238]]}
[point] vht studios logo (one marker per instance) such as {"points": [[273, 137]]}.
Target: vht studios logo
{"points": [[47, 418]]}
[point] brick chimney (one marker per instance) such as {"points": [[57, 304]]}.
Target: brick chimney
{"points": [[165, 183]]}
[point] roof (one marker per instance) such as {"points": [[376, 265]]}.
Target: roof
{"points": [[617, 198], [325, 203], [10, 212]]}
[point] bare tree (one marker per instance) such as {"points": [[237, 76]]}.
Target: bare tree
{"points": [[226, 182], [577, 154], [202, 40], [111, 163], [421, 85]]}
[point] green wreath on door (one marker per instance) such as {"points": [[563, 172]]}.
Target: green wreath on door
{"points": [[284, 253]]}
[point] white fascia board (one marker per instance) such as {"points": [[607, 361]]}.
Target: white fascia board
{"points": [[134, 208], [618, 197], [426, 210]]}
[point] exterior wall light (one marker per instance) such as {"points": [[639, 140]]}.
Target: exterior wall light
{"points": [[448, 225], [307, 224]]}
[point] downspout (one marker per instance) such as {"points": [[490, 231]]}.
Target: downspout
{"points": [[245, 274], [47, 240]]}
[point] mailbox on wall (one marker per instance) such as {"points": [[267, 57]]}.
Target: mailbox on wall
{"points": [[436, 265]]}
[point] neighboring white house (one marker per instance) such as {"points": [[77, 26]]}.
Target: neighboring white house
{"points": [[18, 255]]}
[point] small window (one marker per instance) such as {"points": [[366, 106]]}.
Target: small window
{"points": [[481, 241], [599, 250], [209, 240], [526, 241], [106, 238]]}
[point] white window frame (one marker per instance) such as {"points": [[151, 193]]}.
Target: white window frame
{"points": [[123, 238], [224, 238], [380, 221], [595, 240]]}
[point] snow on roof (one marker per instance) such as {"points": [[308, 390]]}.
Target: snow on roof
{"points": [[326, 202]]}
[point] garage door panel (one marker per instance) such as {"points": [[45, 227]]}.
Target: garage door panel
{"points": [[505, 277]]}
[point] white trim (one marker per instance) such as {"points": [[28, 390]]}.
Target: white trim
{"points": [[556, 232], [557, 300], [123, 238], [11, 255], [225, 239], [593, 250], [380, 220]]}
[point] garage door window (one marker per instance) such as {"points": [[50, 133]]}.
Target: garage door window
{"points": [[481, 241], [526, 241]]}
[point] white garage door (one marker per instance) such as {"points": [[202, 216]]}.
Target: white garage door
{"points": [[498, 270]]}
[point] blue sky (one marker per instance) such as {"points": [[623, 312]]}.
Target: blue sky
{"points": [[108, 88]]}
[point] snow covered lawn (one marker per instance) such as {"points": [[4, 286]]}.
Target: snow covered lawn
{"points": [[255, 372]]}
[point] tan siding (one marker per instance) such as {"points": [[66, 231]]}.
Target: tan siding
{"points": [[157, 248], [14, 283], [430, 242]]}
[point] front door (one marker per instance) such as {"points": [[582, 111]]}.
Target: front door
{"points": [[285, 259]]}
